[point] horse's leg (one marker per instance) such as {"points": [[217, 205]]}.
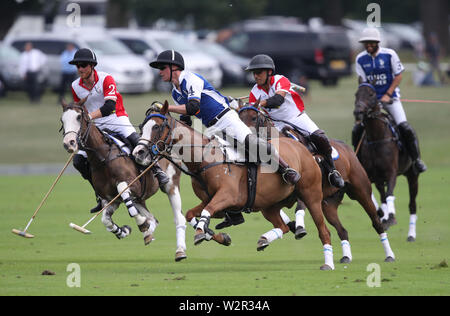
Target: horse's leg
{"points": [[149, 225], [390, 198], [280, 228], [360, 189], [385, 215], [312, 197], [146, 224], [180, 221], [191, 217], [119, 232], [413, 185], [300, 230], [329, 207], [222, 200]]}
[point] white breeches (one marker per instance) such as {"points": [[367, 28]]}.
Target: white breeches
{"points": [[396, 110], [232, 125], [302, 121]]}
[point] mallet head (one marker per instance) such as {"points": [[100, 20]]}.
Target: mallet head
{"points": [[79, 228], [22, 233]]}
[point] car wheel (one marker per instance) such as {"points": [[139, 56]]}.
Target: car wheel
{"points": [[330, 82]]}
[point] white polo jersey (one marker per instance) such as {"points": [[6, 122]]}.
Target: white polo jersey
{"points": [[104, 89], [293, 104]]}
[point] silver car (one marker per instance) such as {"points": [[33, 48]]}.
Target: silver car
{"points": [[9, 63], [130, 71]]}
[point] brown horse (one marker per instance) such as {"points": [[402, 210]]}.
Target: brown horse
{"points": [[357, 186], [221, 185], [112, 170], [381, 156]]}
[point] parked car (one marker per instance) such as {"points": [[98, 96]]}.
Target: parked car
{"points": [[10, 78], [297, 51], [232, 65], [130, 72], [149, 43]]}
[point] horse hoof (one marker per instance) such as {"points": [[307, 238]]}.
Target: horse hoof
{"points": [[385, 225], [180, 255], [300, 232], [411, 239], [345, 259], [391, 220], [148, 239], [389, 259], [199, 238], [326, 267], [262, 244], [226, 239]]}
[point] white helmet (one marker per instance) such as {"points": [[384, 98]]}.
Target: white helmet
{"points": [[370, 34]]}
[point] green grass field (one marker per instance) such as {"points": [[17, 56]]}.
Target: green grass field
{"points": [[29, 134]]}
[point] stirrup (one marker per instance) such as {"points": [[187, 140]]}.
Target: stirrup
{"points": [[293, 173], [335, 179]]}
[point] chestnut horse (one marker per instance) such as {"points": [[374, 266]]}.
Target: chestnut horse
{"points": [[112, 170], [221, 185], [357, 185], [381, 156]]}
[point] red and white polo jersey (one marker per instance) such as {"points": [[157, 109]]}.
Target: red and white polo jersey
{"points": [[292, 105], [104, 89]]}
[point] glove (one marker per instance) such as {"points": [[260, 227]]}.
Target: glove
{"points": [[186, 119]]}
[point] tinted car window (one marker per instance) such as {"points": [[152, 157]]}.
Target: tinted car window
{"points": [[49, 47], [137, 46]]}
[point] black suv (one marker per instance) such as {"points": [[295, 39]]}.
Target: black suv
{"points": [[296, 50]]}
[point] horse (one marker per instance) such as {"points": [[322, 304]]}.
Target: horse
{"points": [[222, 185], [112, 169], [382, 156], [357, 185]]}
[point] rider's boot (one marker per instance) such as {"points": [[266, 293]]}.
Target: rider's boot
{"points": [[412, 145], [156, 169], [320, 140], [82, 165]]}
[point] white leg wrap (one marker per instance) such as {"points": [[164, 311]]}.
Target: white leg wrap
{"points": [[284, 217], [273, 234], [412, 225], [300, 218], [387, 248], [346, 250], [193, 222], [374, 200], [126, 197], [390, 204], [384, 208], [202, 221], [181, 236], [328, 254]]}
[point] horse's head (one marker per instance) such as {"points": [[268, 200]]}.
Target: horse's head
{"points": [[366, 101], [156, 135], [73, 117], [254, 116]]}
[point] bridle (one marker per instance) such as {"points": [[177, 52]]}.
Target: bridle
{"points": [[81, 139], [158, 146]]}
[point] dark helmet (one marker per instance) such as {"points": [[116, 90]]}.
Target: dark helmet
{"points": [[84, 55], [168, 57], [261, 62]]}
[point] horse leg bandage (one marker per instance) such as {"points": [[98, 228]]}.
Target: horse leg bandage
{"points": [[300, 218], [204, 220], [126, 197], [328, 254]]}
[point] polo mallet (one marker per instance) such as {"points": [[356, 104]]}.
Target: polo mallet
{"points": [[360, 142], [82, 229], [24, 232]]}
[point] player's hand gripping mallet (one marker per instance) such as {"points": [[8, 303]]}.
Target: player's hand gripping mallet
{"points": [[24, 232]]}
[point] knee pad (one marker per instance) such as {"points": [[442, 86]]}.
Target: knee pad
{"points": [[134, 139]]}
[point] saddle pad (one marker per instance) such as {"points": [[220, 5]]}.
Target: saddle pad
{"points": [[121, 144], [231, 154], [334, 153]]}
